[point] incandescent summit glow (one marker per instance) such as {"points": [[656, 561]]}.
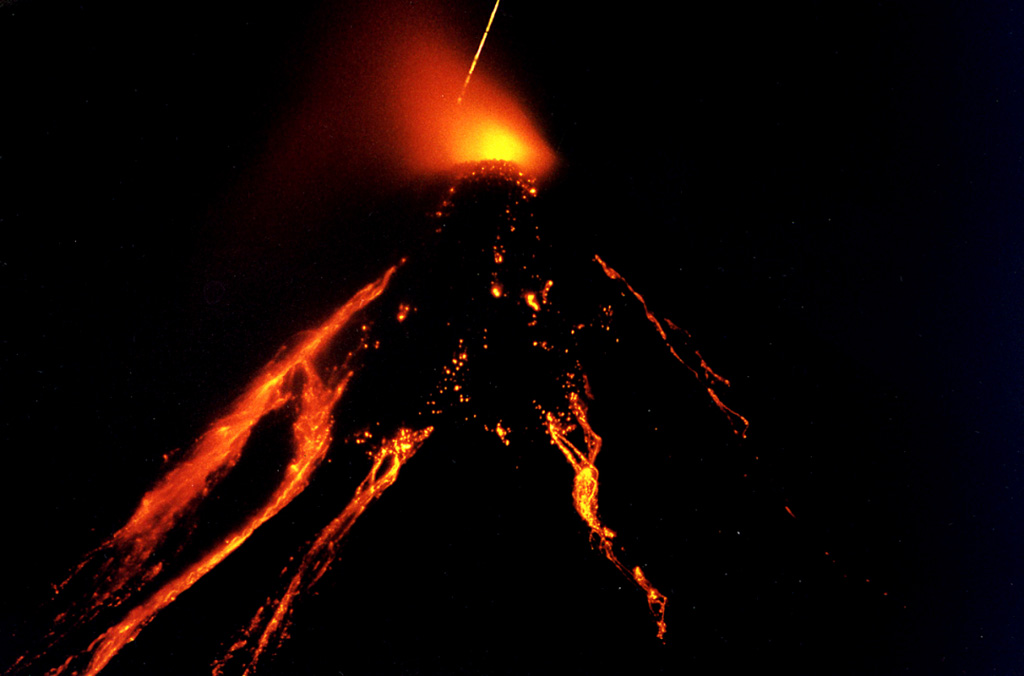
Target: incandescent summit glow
{"points": [[440, 129], [491, 141]]}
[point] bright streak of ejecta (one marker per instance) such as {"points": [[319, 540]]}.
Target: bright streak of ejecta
{"points": [[487, 122], [476, 57]]}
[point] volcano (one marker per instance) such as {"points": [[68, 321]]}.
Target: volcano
{"points": [[484, 331]]}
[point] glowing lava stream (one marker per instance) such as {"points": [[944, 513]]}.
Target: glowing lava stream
{"points": [[323, 551], [136, 553], [206, 463], [705, 375], [584, 497]]}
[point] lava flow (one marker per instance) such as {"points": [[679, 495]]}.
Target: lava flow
{"points": [[514, 329], [387, 461], [584, 496], [708, 377], [487, 295], [129, 566]]}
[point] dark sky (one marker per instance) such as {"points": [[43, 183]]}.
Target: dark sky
{"points": [[827, 195]]}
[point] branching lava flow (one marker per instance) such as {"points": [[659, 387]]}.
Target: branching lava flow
{"points": [[512, 318], [497, 304]]}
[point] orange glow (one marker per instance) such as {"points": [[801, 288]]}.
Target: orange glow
{"points": [[374, 103], [387, 461], [494, 142], [476, 57], [489, 123], [295, 379], [656, 601], [584, 496], [178, 492], [546, 290], [502, 433], [708, 377]]}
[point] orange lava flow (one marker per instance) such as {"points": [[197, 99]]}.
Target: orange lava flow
{"points": [[177, 494], [584, 497], [705, 375], [387, 461], [132, 572]]}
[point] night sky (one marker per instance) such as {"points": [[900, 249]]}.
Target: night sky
{"points": [[828, 196]]}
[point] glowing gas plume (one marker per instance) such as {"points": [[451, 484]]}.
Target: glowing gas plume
{"points": [[442, 129], [376, 103], [486, 137]]}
